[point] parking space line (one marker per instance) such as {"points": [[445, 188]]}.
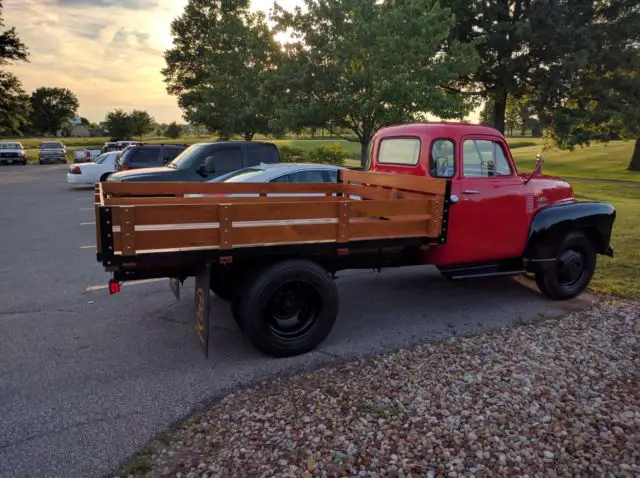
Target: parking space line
{"points": [[88, 223], [87, 247], [93, 288]]}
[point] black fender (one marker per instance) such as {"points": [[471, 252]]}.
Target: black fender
{"points": [[551, 224]]}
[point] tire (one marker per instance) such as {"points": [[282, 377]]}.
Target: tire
{"points": [[104, 177], [287, 308], [571, 275]]}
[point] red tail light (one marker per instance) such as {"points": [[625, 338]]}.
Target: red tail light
{"points": [[76, 170], [114, 287], [124, 167]]}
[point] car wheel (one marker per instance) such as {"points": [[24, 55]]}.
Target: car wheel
{"points": [[104, 177], [288, 308], [573, 270]]}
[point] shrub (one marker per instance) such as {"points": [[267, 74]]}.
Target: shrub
{"points": [[332, 153], [291, 154], [522, 144]]}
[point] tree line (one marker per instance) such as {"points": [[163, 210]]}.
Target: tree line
{"points": [[568, 69]]}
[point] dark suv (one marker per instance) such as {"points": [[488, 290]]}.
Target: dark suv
{"points": [[148, 155]]}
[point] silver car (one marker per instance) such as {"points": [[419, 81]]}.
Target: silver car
{"points": [[52, 152], [12, 152]]}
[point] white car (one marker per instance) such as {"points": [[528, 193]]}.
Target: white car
{"points": [[12, 152], [279, 173], [92, 173]]}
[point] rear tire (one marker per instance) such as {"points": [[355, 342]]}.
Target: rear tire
{"points": [[287, 308], [104, 177], [571, 275]]}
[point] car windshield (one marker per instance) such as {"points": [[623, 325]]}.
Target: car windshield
{"points": [[10, 146], [241, 175], [51, 146], [186, 158], [103, 157]]}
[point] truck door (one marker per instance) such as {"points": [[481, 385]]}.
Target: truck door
{"points": [[488, 217]]}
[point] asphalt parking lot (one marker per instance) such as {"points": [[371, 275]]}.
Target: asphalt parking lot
{"points": [[86, 379]]}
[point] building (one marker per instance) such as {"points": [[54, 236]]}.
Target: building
{"points": [[79, 131]]}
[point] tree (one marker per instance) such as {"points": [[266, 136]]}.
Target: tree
{"points": [[360, 65], [221, 53], [50, 107], [174, 130], [14, 102], [119, 124], [594, 95], [142, 123]]}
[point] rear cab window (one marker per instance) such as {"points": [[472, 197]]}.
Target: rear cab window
{"points": [[399, 151]]}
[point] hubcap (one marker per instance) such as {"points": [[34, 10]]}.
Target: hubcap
{"points": [[572, 267], [292, 310]]}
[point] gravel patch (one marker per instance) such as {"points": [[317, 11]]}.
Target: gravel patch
{"points": [[559, 397]]}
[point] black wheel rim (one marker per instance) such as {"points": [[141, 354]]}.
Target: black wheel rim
{"points": [[292, 310], [573, 263]]}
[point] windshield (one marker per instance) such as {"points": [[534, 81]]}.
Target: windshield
{"points": [[188, 156], [241, 175], [51, 145], [10, 146], [103, 157]]}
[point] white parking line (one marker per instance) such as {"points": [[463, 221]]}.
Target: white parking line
{"points": [[93, 288], [87, 247], [88, 223]]}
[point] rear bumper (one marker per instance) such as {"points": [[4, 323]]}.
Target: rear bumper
{"points": [[12, 160], [78, 179]]}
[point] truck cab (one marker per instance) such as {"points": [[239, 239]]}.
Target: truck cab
{"points": [[499, 221]]}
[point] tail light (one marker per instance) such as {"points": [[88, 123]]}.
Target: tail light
{"points": [[76, 170], [114, 287], [124, 167]]}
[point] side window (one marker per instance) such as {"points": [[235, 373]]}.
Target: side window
{"points": [[402, 151], [143, 155], [484, 159], [281, 179], [310, 176], [442, 163], [227, 160], [170, 154], [261, 153]]}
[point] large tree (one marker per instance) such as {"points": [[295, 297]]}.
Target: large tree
{"points": [[119, 125], [142, 122], [221, 52], [14, 102], [51, 107], [360, 65]]}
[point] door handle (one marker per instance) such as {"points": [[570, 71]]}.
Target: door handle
{"points": [[470, 191]]}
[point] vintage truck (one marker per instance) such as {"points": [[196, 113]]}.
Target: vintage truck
{"points": [[445, 194]]}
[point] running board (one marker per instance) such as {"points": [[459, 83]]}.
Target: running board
{"points": [[471, 275]]}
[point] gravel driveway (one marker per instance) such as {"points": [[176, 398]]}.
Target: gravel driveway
{"points": [[558, 397]]}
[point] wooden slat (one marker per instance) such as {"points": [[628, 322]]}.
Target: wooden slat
{"points": [[122, 201], [169, 214], [172, 239], [181, 188], [387, 208], [280, 211], [391, 228], [286, 234], [400, 181], [98, 230]]}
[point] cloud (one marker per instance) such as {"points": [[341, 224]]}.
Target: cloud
{"points": [[130, 4]]}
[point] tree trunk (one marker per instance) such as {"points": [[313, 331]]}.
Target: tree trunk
{"points": [[634, 164], [499, 110], [248, 136]]}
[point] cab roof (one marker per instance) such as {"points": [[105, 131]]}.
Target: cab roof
{"points": [[443, 128]]}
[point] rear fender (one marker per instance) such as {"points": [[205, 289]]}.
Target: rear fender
{"points": [[551, 224]]}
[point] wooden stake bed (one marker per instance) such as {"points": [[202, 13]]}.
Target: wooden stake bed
{"points": [[134, 219]]}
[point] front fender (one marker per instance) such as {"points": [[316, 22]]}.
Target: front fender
{"points": [[551, 224]]}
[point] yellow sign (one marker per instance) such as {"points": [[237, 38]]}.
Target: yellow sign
{"points": [[200, 312]]}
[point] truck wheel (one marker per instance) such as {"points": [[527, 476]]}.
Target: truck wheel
{"points": [[288, 308], [571, 275], [104, 177]]}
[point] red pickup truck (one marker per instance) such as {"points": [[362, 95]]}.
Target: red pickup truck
{"points": [[445, 194]]}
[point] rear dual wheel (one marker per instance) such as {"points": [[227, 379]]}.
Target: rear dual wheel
{"points": [[286, 308]]}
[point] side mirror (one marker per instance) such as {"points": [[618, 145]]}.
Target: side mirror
{"points": [[209, 164], [538, 169]]}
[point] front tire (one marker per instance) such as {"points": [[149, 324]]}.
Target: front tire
{"points": [[288, 308], [573, 271]]}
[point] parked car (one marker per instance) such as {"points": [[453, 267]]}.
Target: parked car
{"points": [[278, 173], [12, 152], [111, 146], [94, 172], [86, 155], [205, 161], [52, 152], [138, 156]]}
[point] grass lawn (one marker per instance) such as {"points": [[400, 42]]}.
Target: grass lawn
{"points": [[621, 275]]}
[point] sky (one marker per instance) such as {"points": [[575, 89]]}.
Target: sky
{"points": [[108, 52]]}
